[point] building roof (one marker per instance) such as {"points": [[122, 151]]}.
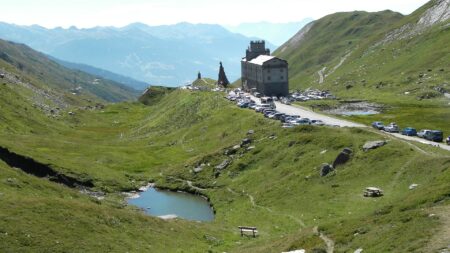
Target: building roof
{"points": [[260, 60]]}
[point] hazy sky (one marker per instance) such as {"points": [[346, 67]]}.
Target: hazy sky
{"points": [[89, 13]]}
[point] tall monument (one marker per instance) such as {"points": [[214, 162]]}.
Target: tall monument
{"points": [[223, 80]]}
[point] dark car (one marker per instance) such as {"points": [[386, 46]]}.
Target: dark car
{"points": [[434, 135], [378, 125], [409, 131], [448, 140]]}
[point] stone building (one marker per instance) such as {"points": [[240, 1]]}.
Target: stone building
{"points": [[264, 73]]}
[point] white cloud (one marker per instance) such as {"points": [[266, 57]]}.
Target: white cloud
{"points": [[89, 13]]}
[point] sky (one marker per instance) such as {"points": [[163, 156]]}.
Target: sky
{"points": [[90, 13]]}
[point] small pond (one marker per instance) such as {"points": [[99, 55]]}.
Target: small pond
{"points": [[163, 203], [358, 112], [355, 109]]}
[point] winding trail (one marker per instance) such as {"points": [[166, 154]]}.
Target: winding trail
{"points": [[189, 183], [321, 74], [326, 239]]}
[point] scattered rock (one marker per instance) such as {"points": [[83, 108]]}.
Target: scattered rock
{"points": [[233, 150], [373, 145], [413, 186], [323, 152], [250, 132], [325, 169], [246, 141], [251, 148], [2, 75], [71, 113], [343, 157], [295, 251], [198, 169], [358, 250], [168, 217], [223, 165]]}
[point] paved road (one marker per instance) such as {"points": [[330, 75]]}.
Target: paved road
{"points": [[306, 113]]}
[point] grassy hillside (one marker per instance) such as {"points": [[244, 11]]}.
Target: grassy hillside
{"points": [[275, 186], [33, 67], [205, 82], [328, 40], [398, 62]]}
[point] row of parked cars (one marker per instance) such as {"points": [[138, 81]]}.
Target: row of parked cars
{"points": [[431, 135], [268, 108]]}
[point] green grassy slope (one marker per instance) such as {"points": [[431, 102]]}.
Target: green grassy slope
{"points": [[205, 82], [275, 186], [386, 58], [37, 69], [329, 39]]}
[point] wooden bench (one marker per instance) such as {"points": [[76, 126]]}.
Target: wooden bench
{"points": [[245, 229]]}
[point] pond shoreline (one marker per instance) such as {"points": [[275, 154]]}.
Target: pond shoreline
{"points": [[135, 194]]}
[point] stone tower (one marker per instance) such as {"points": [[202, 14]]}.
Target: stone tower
{"points": [[199, 75], [223, 80], [256, 49]]}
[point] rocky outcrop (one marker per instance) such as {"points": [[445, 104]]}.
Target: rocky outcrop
{"points": [[373, 145], [298, 38], [343, 157], [438, 13], [30, 166], [325, 169], [223, 165]]}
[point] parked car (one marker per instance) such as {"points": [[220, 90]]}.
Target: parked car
{"points": [[287, 125], [275, 115], [447, 140], [267, 113], [317, 122], [378, 125], [392, 128], [266, 110], [301, 121], [434, 135], [261, 107], [422, 133], [409, 131]]}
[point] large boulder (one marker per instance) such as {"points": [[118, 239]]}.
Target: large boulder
{"points": [[343, 157], [246, 141], [223, 165], [325, 169], [373, 145]]}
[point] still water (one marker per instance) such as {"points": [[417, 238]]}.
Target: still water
{"points": [[184, 205]]}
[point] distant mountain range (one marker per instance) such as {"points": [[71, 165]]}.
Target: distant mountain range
{"points": [[276, 33], [168, 55], [49, 84], [128, 81]]}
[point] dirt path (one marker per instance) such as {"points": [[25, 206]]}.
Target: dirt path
{"points": [[327, 240], [189, 183], [321, 74], [440, 242], [343, 59]]}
